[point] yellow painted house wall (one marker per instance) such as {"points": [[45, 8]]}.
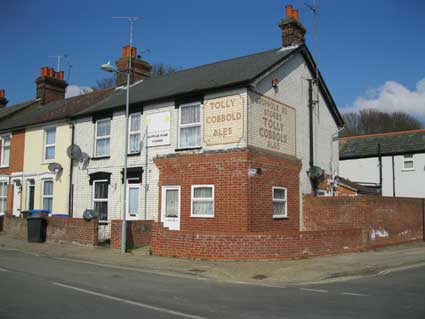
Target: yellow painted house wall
{"points": [[36, 168]]}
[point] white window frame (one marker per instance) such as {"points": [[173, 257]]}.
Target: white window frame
{"points": [[102, 200], [47, 196], [195, 124], [278, 200], [7, 136], [4, 197], [47, 160], [164, 200], [192, 200], [96, 138], [131, 133], [407, 160], [129, 186]]}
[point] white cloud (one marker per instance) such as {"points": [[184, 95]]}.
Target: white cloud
{"points": [[392, 97], [75, 90]]}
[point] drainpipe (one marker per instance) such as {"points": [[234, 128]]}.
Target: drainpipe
{"points": [[423, 219], [311, 137], [71, 186], [393, 177], [380, 168]]}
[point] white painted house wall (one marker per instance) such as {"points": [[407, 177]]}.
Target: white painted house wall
{"points": [[293, 91], [408, 183]]}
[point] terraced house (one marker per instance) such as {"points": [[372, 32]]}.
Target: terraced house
{"points": [[228, 146]]}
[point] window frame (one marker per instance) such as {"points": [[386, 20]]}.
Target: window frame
{"points": [[194, 124], [96, 138], [278, 200], [45, 145], [3, 137], [2, 197], [407, 160], [102, 200], [202, 199], [165, 188], [136, 186], [130, 133], [43, 196]]}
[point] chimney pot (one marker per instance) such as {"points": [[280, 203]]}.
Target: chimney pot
{"points": [[140, 69], [44, 71], [3, 100], [295, 14], [288, 10], [1, 93]]}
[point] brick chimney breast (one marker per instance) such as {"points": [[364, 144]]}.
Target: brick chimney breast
{"points": [[292, 30], [50, 85], [140, 68], [3, 100]]}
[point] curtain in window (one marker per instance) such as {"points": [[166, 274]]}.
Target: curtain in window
{"points": [[47, 204], [101, 208], [101, 200], [135, 123], [50, 152], [133, 201], [204, 206], [171, 202], [279, 208], [135, 143], [190, 136], [3, 197], [202, 192], [102, 147], [103, 128], [279, 194], [48, 188], [190, 114], [6, 151], [101, 190], [50, 136]]}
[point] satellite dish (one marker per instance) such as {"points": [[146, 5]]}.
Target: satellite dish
{"points": [[89, 214], [74, 152], [55, 167], [315, 172]]}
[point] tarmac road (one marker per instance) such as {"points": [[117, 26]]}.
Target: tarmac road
{"points": [[42, 287]]}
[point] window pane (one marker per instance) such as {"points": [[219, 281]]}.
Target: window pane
{"points": [[279, 193], [101, 208], [203, 208], [6, 156], [103, 128], [3, 203], [202, 192], [48, 188], [135, 143], [101, 190], [135, 123], [190, 114], [6, 141], [3, 189], [47, 204], [50, 135], [50, 152], [171, 203], [190, 136], [133, 201], [102, 147], [408, 164], [279, 208]]}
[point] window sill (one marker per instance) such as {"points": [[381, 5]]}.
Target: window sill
{"points": [[280, 217], [4, 166], [97, 158], [45, 162], [202, 216], [188, 149], [103, 222], [407, 169], [133, 154]]}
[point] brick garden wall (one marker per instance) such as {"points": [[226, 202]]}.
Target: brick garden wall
{"points": [[384, 220], [63, 230], [139, 233]]}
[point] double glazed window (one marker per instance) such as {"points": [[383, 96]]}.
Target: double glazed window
{"points": [[5, 151], [202, 201], [49, 143], [134, 134], [103, 137], [47, 195], [3, 197], [190, 125], [408, 162], [100, 199], [279, 202]]}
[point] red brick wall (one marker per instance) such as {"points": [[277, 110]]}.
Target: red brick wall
{"points": [[242, 202], [139, 233], [252, 245], [384, 220], [67, 230]]}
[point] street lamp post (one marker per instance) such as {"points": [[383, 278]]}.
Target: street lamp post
{"points": [[109, 68]]}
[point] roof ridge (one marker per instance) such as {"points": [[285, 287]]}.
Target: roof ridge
{"points": [[382, 134]]}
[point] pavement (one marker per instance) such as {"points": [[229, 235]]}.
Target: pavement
{"points": [[305, 271]]}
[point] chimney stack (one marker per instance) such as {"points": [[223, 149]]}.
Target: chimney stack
{"points": [[140, 69], [292, 30], [3, 100], [50, 85]]}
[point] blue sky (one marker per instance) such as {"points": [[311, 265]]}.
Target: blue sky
{"points": [[371, 53]]}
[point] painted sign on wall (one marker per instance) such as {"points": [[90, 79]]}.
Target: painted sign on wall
{"points": [[223, 120], [271, 124], [158, 128]]}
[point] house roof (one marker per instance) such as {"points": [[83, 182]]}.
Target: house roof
{"points": [[239, 71], [360, 189], [394, 143], [57, 110], [6, 112]]}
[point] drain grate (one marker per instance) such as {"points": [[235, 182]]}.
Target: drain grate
{"points": [[199, 271], [259, 277]]}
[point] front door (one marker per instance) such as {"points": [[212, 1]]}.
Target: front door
{"points": [[170, 207], [133, 202], [16, 199]]}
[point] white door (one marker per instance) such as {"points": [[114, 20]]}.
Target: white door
{"points": [[16, 200], [133, 202], [170, 207]]}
